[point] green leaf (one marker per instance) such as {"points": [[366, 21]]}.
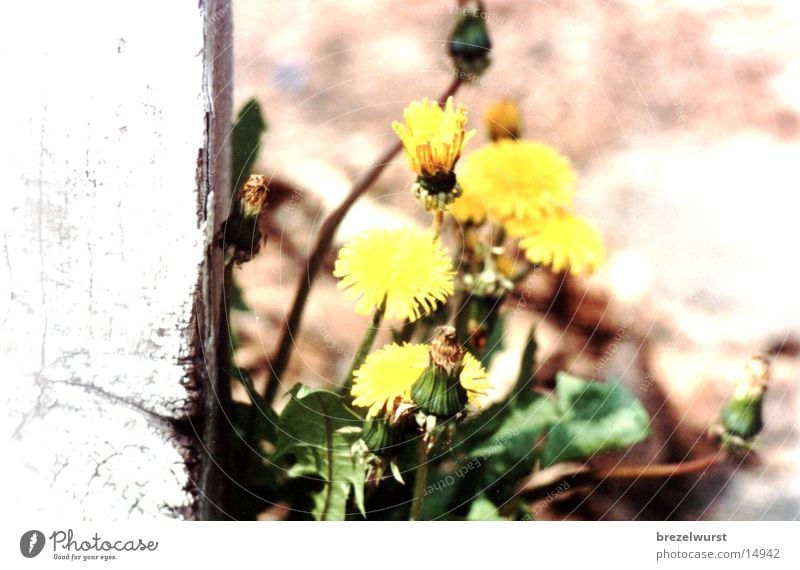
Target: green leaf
{"points": [[256, 481], [506, 445], [237, 232], [522, 421], [321, 433], [246, 141], [264, 426], [483, 509], [593, 417], [528, 361], [262, 421], [496, 341], [237, 301], [481, 327]]}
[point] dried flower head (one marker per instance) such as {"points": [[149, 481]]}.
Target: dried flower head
{"points": [[253, 195]]}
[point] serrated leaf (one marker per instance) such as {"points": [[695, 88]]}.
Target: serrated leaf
{"points": [[320, 432], [593, 417]]}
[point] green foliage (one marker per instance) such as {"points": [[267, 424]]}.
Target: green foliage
{"points": [[527, 363], [483, 509], [316, 456], [262, 418], [593, 417], [495, 341], [521, 422], [246, 141], [237, 302], [256, 483], [321, 435], [239, 233], [506, 442]]}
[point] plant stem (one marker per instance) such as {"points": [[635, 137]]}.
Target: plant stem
{"points": [[327, 231], [542, 482], [438, 220], [420, 480], [660, 471], [364, 347], [499, 236]]}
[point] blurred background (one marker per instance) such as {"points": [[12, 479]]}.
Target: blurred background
{"points": [[683, 121]]}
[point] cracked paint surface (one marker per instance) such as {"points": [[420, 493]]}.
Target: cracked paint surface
{"points": [[100, 255]]}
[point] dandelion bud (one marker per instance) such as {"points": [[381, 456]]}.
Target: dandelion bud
{"points": [[742, 415], [470, 44], [438, 391], [503, 120], [390, 378], [379, 436]]}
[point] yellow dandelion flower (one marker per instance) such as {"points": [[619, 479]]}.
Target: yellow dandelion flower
{"points": [[433, 137], [474, 379], [406, 267], [519, 182], [469, 208], [385, 379], [503, 120], [506, 265], [565, 241]]}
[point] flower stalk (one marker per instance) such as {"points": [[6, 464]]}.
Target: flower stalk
{"points": [[420, 479], [364, 347]]}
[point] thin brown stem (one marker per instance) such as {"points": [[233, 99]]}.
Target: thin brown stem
{"points": [[541, 483], [436, 226], [325, 237], [660, 471]]}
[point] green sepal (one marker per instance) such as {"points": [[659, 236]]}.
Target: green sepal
{"points": [[439, 393], [381, 438], [438, 191]]}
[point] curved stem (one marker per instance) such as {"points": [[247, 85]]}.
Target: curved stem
{"points": [[660, 471], [364, 347], [327, 231], [420, 480], [542, 482]]}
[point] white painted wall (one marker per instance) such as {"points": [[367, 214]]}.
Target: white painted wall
{"points": [[103, 230]]}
